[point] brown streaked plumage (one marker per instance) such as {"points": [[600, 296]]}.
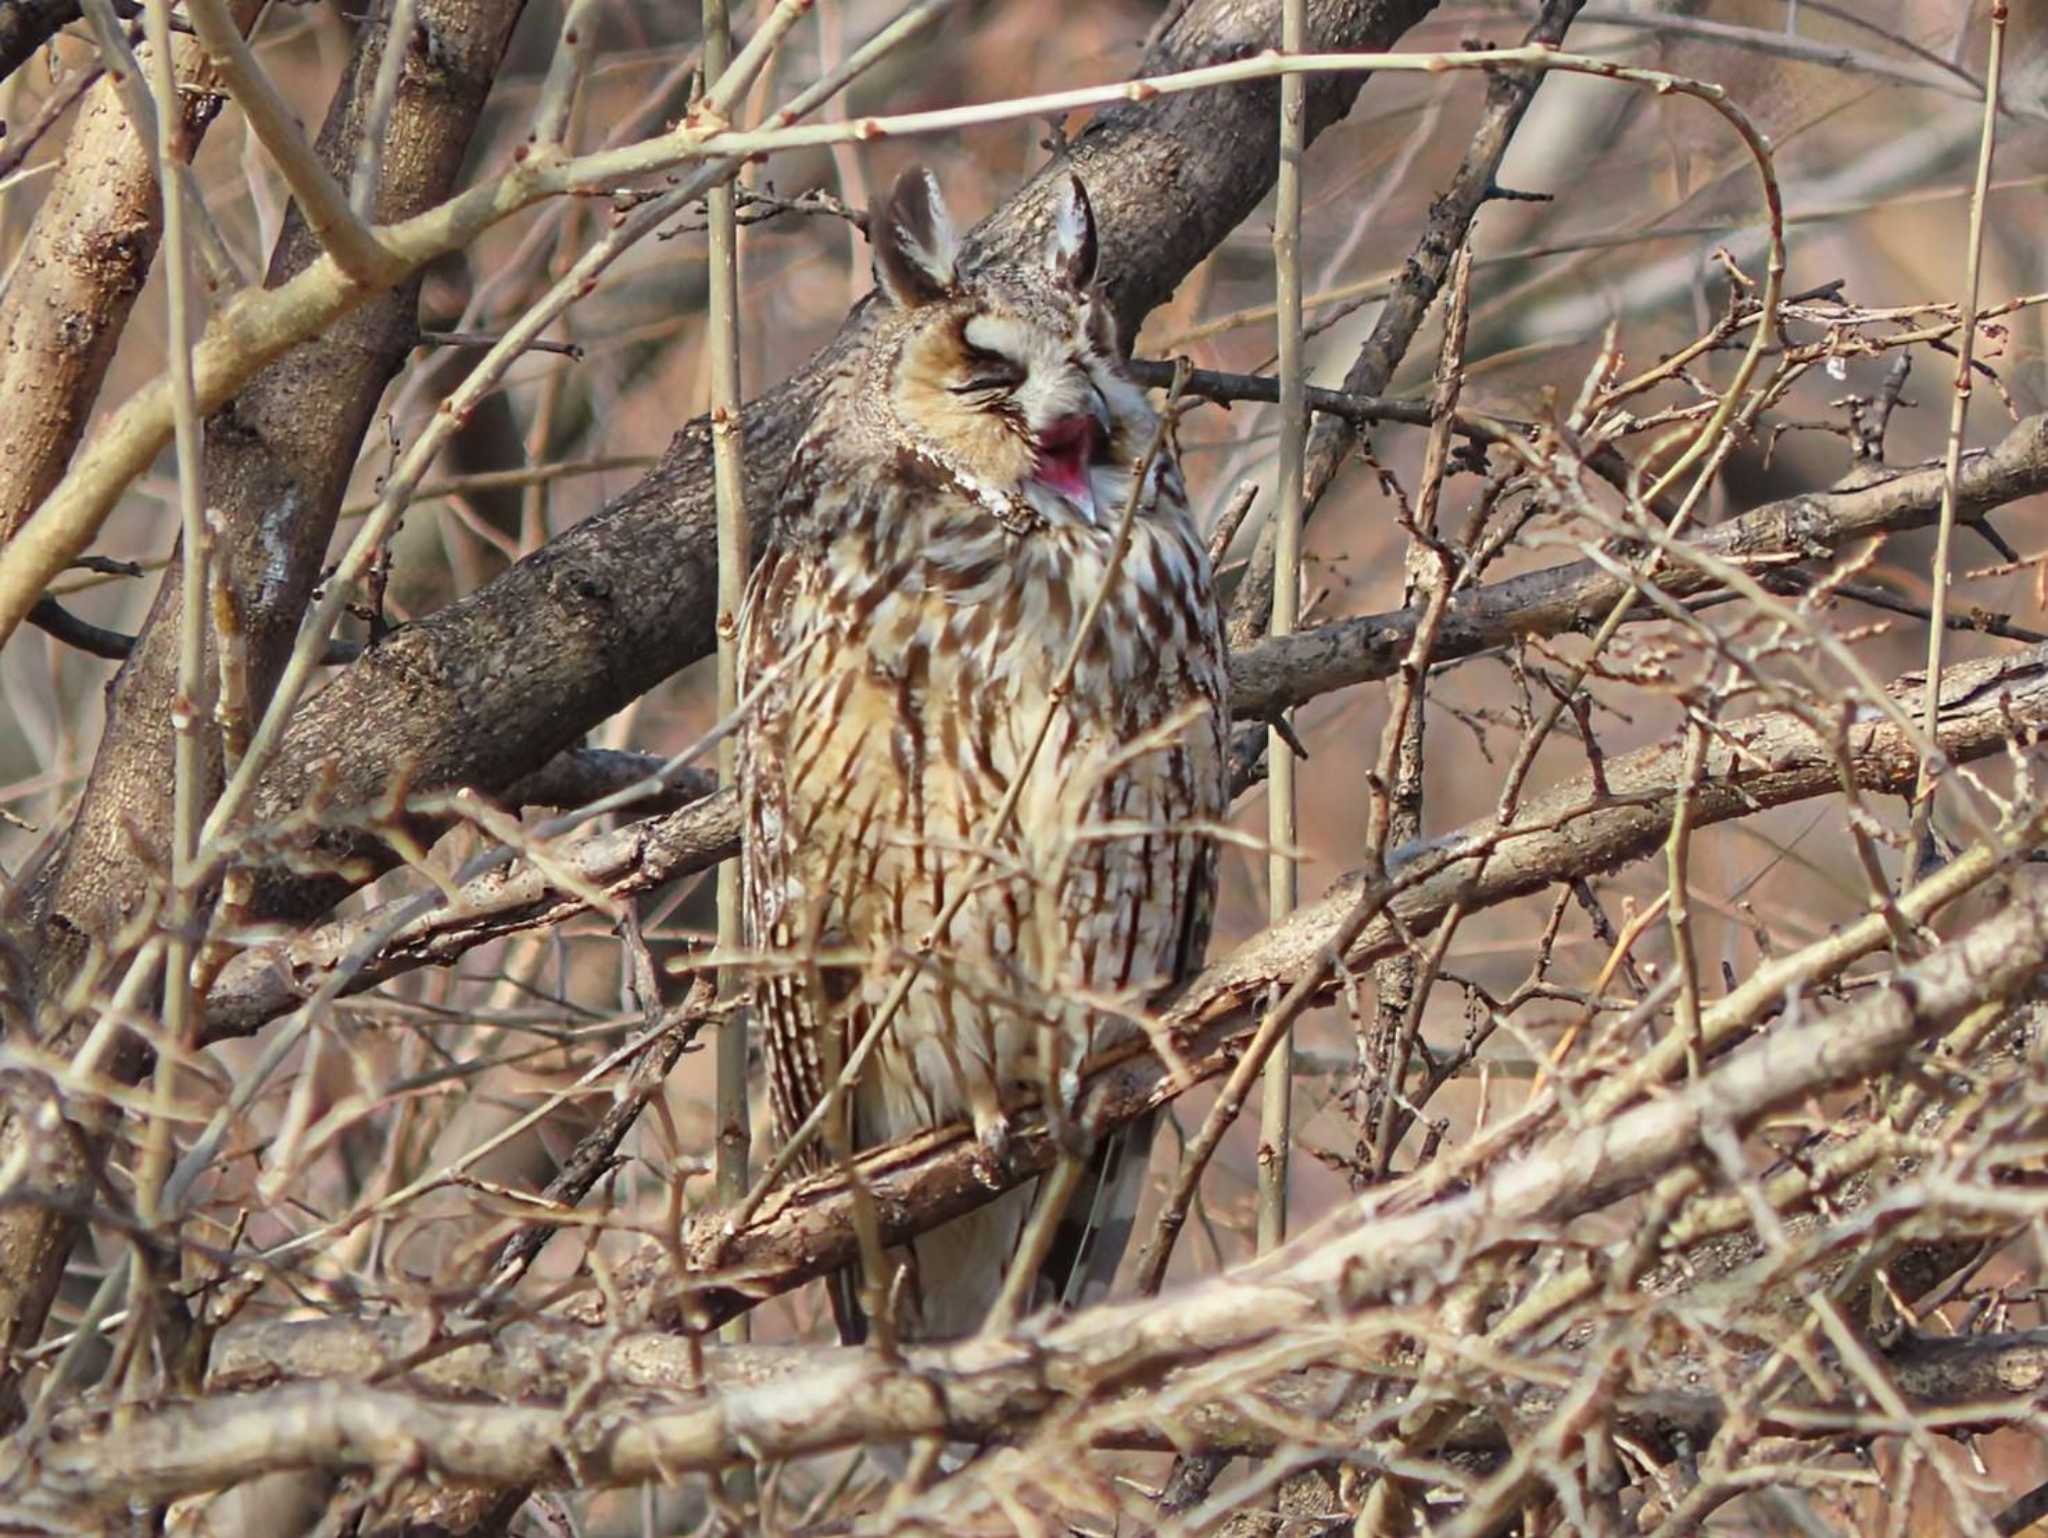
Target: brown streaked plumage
{"points": [[944, 526]]}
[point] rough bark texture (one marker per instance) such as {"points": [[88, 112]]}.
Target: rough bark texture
{"points": [[277, 462], [86, 257], [491, 688], [278, 459], [62, 314], [1285, 671], [548, 1360], [1275, 674]]}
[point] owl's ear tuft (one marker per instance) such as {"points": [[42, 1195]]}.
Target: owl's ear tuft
{"points": [[914, 242], [1070, 251]]}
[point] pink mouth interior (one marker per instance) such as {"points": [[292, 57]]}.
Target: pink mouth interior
{"points": [[1065, 450]]}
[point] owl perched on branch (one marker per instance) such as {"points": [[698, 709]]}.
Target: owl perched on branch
{"points": [[943, 533]]}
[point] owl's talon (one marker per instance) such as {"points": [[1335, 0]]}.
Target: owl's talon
{"points": [[991, 1148], [1073, 1137]]}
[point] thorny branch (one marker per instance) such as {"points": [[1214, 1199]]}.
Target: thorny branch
{"points": [[1359, 1260]]}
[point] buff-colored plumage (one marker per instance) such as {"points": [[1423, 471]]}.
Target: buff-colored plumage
{"points": [[943, 528]]}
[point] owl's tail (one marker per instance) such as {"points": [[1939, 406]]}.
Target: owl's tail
{"points": [[961, 1264], [1096, 1228], [960, 1270]]}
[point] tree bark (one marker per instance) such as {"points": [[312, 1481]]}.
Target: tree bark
{"points": [[277, 462]]}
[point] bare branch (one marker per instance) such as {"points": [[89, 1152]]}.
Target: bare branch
{"points": [[321, 200], [1361, 1258], [1556, 600], [1508, 95], [1581, 827]]}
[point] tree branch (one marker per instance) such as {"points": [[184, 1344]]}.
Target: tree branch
{"points": [[1583, 827], [265, 981], [548, 1360], [1375, 1249], [84, 260]]}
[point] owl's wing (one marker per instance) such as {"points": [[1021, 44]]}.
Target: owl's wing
{"points": [[778, 626], [1095, 1230], [784, 620]]}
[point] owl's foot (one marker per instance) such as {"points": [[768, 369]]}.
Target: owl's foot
{"points": [[991, 1146], [1067, 1121]]}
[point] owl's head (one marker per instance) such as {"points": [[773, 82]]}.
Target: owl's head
{"points": [[1008, 373]]}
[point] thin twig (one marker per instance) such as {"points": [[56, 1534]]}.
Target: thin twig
{"points": [[58, 622], [396, 43], [481, 339], [1276, 1117], [735, 561], [352, 244], [1959, 416], [189, 722], [1414, 290], [1395, 815], [595, 1154]]}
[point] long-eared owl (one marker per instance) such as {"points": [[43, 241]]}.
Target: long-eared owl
{"points": [[944, 530]]}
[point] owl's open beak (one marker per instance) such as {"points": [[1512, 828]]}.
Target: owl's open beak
{"points": [[1065, 451]]}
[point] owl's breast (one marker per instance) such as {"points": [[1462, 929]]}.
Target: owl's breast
{"points": [[924, 754], [949, 641], [1013, 605]]}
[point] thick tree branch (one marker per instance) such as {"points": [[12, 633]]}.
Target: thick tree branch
{"points": [[1677, 1261], [264, 982], [277, 463], [548, 1360], [62, 313]]}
